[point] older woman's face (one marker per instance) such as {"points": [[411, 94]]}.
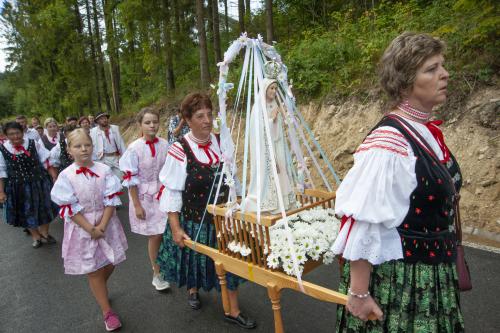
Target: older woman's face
{"points": [[429, 88], [15, 136], [201, 123]]}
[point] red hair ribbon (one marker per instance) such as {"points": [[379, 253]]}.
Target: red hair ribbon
{"points": [[86, 172]]}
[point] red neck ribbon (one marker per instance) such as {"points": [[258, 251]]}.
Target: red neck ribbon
{"points": [[206, 149], [151, 145], [87, 172], [438, 135]]}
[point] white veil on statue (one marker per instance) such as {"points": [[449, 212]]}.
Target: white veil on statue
{"points": [[262, 182]]}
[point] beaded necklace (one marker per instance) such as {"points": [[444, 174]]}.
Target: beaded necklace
{"points": [[198, 141], [411, 112]]}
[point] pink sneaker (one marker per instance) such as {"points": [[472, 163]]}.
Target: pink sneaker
{"points": [[111, 321]]}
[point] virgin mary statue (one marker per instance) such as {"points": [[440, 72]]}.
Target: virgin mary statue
{"points": [[262, 181]]}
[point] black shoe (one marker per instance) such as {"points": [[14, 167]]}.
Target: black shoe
{"points": [[48, 240], [36, 243], [242, 321], [194, 301], [26, 231]]}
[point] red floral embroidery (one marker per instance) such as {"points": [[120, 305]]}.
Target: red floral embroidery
{"points": [[418, 210], [438, 229], [408, 253], [432, 254], [406, 225], [431, 197], [448, 253], [445, 213], [440, 181]]}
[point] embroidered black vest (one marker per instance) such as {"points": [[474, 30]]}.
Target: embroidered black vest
{"points": [[47, 143], [65, 159], [427, 232], [21, 167], [201, 181]]}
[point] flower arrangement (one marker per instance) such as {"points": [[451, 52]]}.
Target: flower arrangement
{"points": [[313, 231]]}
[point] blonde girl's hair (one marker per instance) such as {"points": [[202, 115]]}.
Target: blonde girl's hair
{"points": [[76, 134], [144, 111], [48, 121]]}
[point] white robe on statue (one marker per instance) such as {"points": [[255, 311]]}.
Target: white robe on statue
{"points": [[262, 182]]}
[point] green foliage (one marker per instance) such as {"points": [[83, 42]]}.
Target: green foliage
{"points": [[341, 58], [331, 47]]}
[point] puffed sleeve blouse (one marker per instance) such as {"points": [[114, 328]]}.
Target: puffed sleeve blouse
{"points": [[43, 155], [374, 197], [64, 195], [129, 165], [174, 172]]}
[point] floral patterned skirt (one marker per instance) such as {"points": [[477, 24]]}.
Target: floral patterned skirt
{"points": [[413, 297], [190, 268]]}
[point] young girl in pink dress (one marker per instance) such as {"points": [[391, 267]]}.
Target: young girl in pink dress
{"points": [[141, 165], [94, 241]]}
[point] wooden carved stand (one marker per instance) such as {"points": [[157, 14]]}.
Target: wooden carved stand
{"points": [[243, 229]]}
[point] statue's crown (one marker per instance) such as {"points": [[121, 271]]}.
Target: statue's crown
{"points": [[272, 69]]}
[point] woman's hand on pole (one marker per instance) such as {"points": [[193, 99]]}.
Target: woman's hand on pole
{"points": [[363, 307]]}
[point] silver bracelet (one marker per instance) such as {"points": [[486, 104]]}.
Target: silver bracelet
{"points": [[361, 296]]}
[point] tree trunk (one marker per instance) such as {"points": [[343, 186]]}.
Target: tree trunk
{"points": [[210, 21], [216, 29], [94, 57], [112, 51], [176, 10], [168, 48], [226, 19], [248, 13], [100, 55], [269, 22], [241, 15], [202, 38]]}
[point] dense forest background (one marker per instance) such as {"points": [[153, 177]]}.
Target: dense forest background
{"points": [[75, 57]]}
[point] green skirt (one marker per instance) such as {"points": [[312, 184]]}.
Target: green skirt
{"points": [[413, 297], [189, 268]]}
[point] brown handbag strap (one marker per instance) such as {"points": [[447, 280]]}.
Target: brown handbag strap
{"points": [[458, 221]]}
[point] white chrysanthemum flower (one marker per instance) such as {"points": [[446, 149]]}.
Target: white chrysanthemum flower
{"points": [[328, 257]]}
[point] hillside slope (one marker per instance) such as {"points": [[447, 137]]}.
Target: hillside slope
{"points": [[472, 132]]}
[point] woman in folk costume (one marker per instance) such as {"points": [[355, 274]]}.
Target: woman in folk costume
{"points": [[397, 204], [141, 164], [94, 241], [262, 182], [108, 143], [25, 184], [51, 135], [193, 166], [59, 154]]}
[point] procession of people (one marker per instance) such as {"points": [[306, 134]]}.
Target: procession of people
{"points": [[396, 203]]}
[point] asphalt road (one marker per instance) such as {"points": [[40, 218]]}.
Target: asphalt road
{"points": [[36, 296]]}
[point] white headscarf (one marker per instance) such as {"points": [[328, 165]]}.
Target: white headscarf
{"points": [[266, 83]]}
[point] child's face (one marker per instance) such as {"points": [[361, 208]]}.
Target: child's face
{"points": [[150, 125], [81, 149]]}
